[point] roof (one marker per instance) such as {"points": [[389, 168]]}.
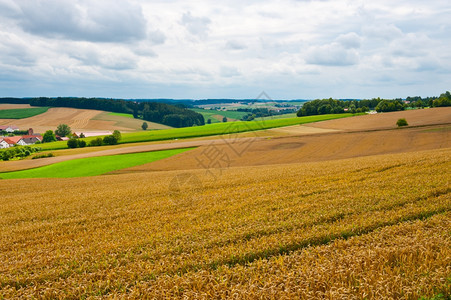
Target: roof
{"points": [[14, 139], [3, 127], [9, 141], [38, 136]]}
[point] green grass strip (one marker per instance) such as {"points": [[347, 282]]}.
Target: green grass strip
{"points": [[22, 113], [92, 166], [121, 115]]}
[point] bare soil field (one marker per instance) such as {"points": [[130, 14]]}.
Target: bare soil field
{"points": [[84, 120], [306, 148], [417, 117]]}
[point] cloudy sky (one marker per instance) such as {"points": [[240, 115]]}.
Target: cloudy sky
{"points": [[291, 49]]}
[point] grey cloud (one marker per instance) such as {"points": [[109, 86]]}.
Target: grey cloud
{"points": [[9, 8], [332, 55], [15, 52], [196, 25], [112, 61], [156, 37], [349, 40], [87, 21], [229, 72], [235, 45], [384, 32]]}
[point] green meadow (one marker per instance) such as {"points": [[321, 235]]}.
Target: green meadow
{"points": [[92, 166], [209, 113], [22, 113], [121, 115]]}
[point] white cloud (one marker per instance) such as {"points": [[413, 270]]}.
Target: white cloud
{"points": [[292, 49]]}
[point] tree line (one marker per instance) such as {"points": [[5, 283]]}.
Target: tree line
{"points": [[334, 106]]}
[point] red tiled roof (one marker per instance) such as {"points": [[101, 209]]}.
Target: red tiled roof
{"points": [[14, 139]]}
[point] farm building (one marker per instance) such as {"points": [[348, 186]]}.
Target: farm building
{"points": [[31, 139], [91, 134], [9, 128], [6, 143]]}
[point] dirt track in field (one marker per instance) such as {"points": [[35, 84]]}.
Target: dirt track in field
{"points": [[417, 117], [307, 148]]}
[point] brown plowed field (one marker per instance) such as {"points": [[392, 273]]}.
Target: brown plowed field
{"points": [[418, 117], [307, 148]]}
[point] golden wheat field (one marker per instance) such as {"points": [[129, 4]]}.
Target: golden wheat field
{"points": [[371, 227]]}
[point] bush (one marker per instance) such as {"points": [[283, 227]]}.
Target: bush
{"points": [[401, 122], [81, 143], [72, 143], [97, 142], [110, 140]]}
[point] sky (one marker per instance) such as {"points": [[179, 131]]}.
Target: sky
{"points": [[290, 49]]}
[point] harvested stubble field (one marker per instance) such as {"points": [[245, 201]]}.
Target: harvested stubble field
{"points": [[84, 120], [417, 117], [374, 227]]}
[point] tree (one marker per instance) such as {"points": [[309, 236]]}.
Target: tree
{"points": [[117, 134], [110, 140], [401, 122], [82, 135], [72, 143], [224, 119], [63, 130], [48, 137], [209, 121], [144, 126]]}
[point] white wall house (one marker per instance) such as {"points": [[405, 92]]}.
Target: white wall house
{"points": [[3, 144]]}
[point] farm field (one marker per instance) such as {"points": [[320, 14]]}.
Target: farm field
{"points": [[352, 228], [216, 115], [22, 113], [80, 120], [288, 149], [207, 130], [92, 166], [417, 117]]}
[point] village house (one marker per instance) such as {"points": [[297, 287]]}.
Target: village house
{"points": [[31, 139], [9, 128], [3, 144], [6, 143]]}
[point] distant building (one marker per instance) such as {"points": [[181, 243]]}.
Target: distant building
{"points": [[91, 134], [9, 128]]}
